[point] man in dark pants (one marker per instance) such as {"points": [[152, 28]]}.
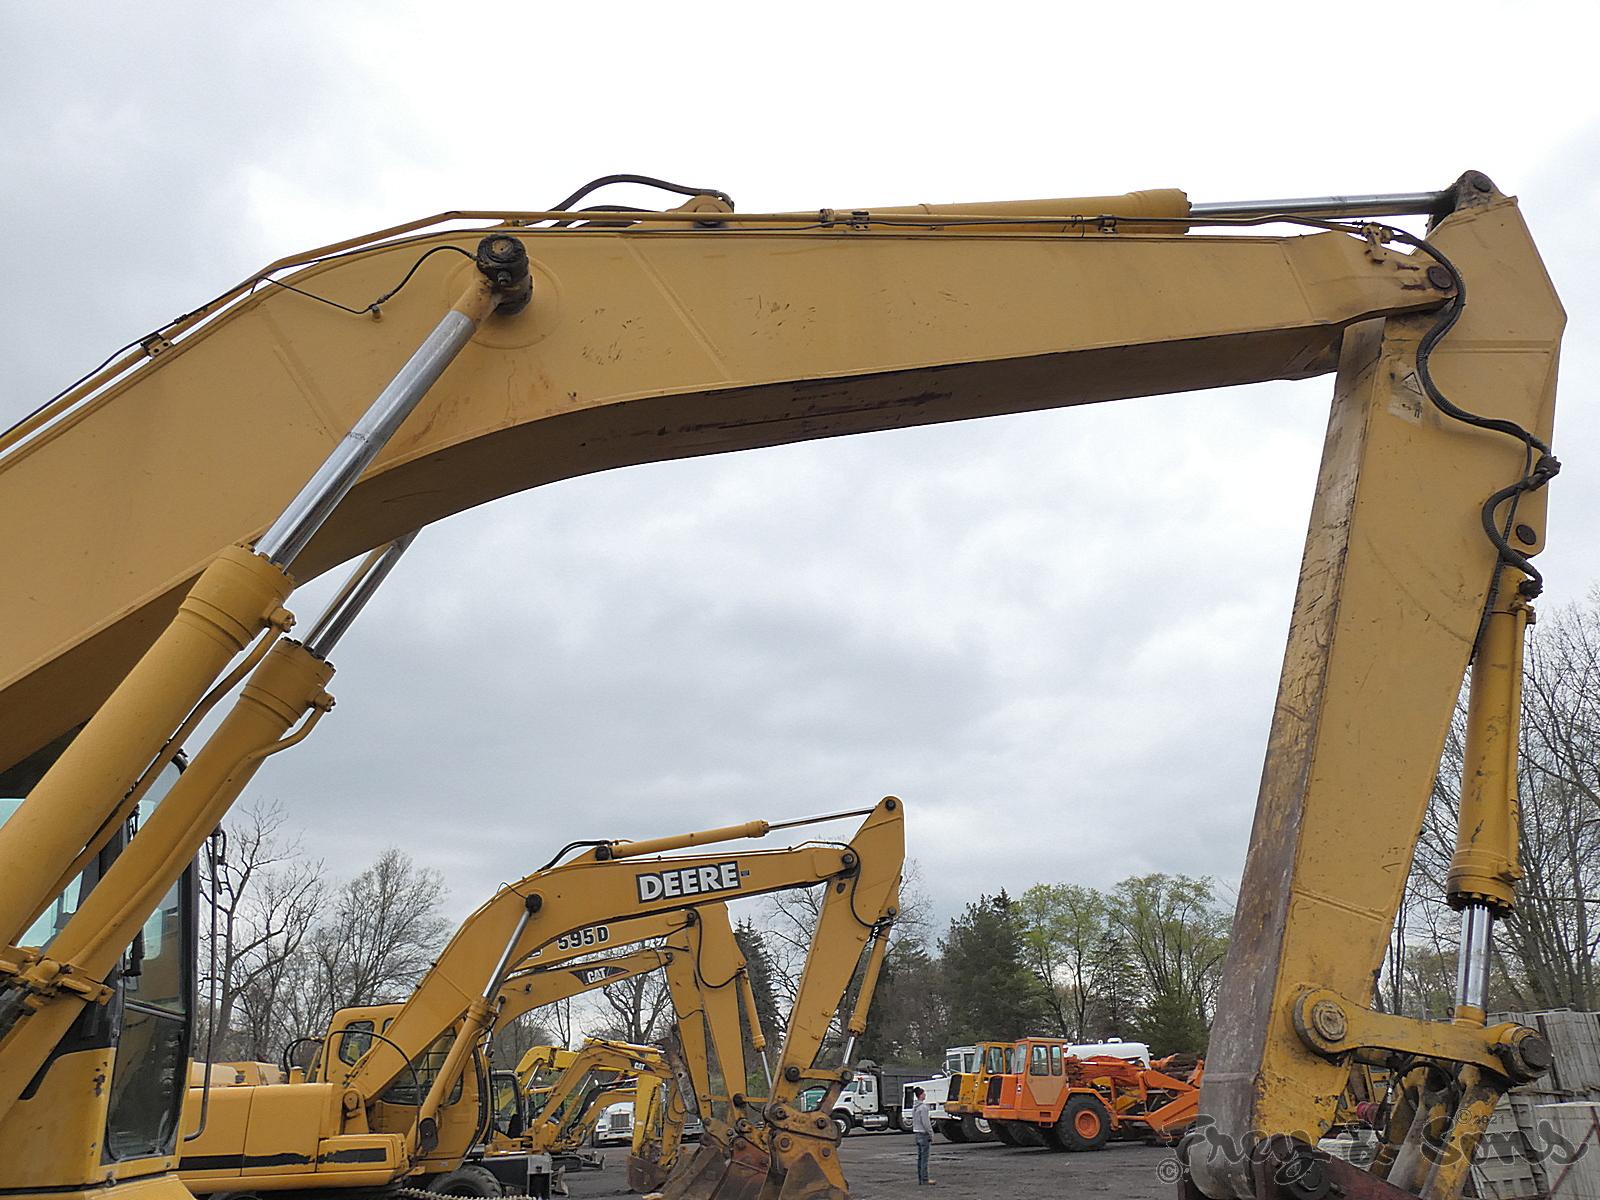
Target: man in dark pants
{"points": [[922, 1129]]}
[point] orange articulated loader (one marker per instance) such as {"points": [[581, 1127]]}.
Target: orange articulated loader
{"points": [[1069, 1103]]}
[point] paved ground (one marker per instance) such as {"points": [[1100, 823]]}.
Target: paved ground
{"points": [[883, 1166]]}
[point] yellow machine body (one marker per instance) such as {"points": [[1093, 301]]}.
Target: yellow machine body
{"points": [[702, 332]]}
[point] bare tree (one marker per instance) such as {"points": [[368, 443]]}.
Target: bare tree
{"points": [[788, 923], [637, 1008], [266, 899], [558, 1017], [383, 933], [512, 1041], [788, 927], [1546, 951]]}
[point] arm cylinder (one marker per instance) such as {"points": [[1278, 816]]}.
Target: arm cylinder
{"points": [[1484, 868], [728, 833]]}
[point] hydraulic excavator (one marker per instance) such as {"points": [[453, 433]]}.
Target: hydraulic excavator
{"points": [[599, 1068], [659, 1126], [390, 1114], [160, 511], [693, 939], [467, 1131]]}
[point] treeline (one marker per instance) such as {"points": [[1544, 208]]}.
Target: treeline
{"points": [[1139, 962], [292, 946]]}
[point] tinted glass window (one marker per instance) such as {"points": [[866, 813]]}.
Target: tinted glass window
{"points": [[997, 1060], [355, 1040], [1041, 1061], [1055, 1060], [152, 1065]]}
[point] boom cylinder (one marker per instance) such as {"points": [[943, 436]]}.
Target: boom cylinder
{"points": [[727, 833], [226, 608]]}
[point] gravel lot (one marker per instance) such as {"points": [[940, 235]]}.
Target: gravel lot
{"points": [[883, 1166]]}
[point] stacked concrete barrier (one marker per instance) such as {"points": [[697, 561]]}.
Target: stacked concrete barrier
{"points": [[1523, 1155]]}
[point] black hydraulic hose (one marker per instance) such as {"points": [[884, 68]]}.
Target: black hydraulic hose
{"points": [[594, 185]]}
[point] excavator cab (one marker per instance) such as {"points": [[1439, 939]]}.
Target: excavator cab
{"points": [[144, 1031], [510, 1104]]}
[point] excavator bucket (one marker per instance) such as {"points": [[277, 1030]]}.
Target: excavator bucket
{"points": [[809, 1179], [645, 1173], [696, 1176], [746, 1174]]}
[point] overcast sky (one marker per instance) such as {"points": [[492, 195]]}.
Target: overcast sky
{"points": [[1056, 635]]}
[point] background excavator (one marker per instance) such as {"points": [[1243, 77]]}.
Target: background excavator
{"points": [[469, 1124], [745, 330], [402, 1107]]}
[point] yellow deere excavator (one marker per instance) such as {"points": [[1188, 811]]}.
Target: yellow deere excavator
{"points": [[160, 511], [386, 1115], [697, 942], [466, 1120]]}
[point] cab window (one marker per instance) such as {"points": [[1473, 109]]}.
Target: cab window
{"points": [[1041, 1061], [997, 1060], [412, 1087], [1055, 1060], [355, 1040]]}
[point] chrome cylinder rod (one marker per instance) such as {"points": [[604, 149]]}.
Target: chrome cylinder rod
{"points": [[503, 967], [288, 535], [1472, 967], [1397, 204], [504, 284], [353, 596]]}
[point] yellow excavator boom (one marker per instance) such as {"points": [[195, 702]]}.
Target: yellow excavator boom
{"points": [[551, 346]]}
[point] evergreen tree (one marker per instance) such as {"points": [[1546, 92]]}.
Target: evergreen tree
{"points": [[989, 989], [1114, 1009], [758, 964], [908, 1023]]}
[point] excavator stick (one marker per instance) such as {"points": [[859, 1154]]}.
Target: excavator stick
{"points": [[1414, 563], [791, 1153]]}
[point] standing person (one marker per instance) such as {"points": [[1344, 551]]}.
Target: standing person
{"points": [[922, 1128]]}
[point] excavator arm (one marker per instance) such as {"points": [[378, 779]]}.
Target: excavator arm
{"points": [[600, 1067], [700, 332], [556, 977]]}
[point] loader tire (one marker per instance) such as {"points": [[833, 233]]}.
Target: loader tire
{"points": [[1003, 1134], [976, 1129], [1084, 1125], [953, 1131], [467, 1180]]}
